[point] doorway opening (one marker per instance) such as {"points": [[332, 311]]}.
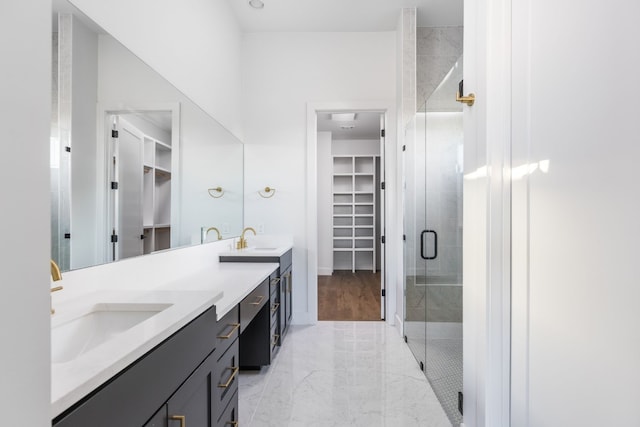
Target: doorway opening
{"points": [[350, 212]]}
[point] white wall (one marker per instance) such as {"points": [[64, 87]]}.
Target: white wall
{"points": [[325, 229], [282, 72], [25, 43], [194, 44]]}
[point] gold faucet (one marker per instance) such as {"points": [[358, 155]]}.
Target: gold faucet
{"points": [[242, 243], [213, 229], [55, 276]]}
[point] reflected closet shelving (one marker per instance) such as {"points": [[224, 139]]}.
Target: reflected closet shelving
{"points": [[156, 218]]}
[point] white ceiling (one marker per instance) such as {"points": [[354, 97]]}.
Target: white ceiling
{"points": [[366, 126], [342, 15]]}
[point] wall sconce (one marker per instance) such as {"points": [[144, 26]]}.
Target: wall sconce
{"points": [[216, 193], [267, 193]]}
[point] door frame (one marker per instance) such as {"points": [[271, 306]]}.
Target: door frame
{"points": [[487, 237], [388, 109]]}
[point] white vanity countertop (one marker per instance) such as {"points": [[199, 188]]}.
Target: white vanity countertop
{"points": [[223, 285], [257, 251]]}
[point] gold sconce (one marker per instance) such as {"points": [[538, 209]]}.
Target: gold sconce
{"points": [[216, 192], [267, 193]]}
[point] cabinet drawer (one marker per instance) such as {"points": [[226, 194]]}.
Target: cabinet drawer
{"points": [[252, 303], [230, 415], [226, 376], [274, 309], [274, 281], [275, 338], [227, 330]]}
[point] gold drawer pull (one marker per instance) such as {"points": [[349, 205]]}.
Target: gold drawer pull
{"points": [[181, 418], [276, 280], [260, 298], [275, 339], [233, 423], [230, 334], [275, 307], [233, 375]]}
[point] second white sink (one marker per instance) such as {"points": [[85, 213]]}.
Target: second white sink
{"points": [[72, 338]]}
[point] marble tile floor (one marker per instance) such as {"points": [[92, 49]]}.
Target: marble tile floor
{"points": [[340, 374]]}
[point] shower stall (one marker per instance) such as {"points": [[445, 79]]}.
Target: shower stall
{"points": [[433, 246]]}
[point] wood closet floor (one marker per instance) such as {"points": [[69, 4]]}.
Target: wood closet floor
{"points": [[349, 296]]}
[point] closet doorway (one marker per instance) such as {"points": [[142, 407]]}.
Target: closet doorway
{"points": [[350, 177]]}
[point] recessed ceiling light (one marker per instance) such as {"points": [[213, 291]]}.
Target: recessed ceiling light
{"points": [[347, 127], [256, 4], [343, 117]]}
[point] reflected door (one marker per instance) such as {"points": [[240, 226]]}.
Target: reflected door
{"points": [[128, 192]]}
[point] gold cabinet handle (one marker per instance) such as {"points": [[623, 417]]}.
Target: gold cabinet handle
{"points": [[275, 307], [275, 339], [260, 298], [181, 418], [233, 423], [234, 370], [230, 334], [276, 280]]}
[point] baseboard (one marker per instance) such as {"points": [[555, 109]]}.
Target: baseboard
{"points": [[302, 318], [324, 271], [399, 325]]}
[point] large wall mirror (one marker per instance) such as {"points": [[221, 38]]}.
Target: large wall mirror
{"points": [[136, 166]]}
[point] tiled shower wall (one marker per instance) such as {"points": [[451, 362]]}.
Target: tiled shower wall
{"points": [[437, 50], [407, 48]]}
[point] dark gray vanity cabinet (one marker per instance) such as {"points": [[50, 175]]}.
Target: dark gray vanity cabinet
{"points": [[192, 402], [177, 375], [261, 340], [189, 378], [286, 285], [255, 320], [205, 396]]}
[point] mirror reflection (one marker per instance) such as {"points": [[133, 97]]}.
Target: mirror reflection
{"points": [[136, 166]]}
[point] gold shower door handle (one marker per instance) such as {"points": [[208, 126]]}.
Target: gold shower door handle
{"points": [[181, 418], [469, 99]]}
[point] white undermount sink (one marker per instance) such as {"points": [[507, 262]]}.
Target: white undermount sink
{"points": [[264, 249], [101, 323]]}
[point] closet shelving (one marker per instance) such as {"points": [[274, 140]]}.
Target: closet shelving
{"points": [[354, 222], [156, 217]]}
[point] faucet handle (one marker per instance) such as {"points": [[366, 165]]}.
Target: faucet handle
{"points": [[55, 271], [55, 289]]}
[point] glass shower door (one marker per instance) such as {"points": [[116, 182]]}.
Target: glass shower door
{"points": [[433, 248], [414, 217], [442, 242]]}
